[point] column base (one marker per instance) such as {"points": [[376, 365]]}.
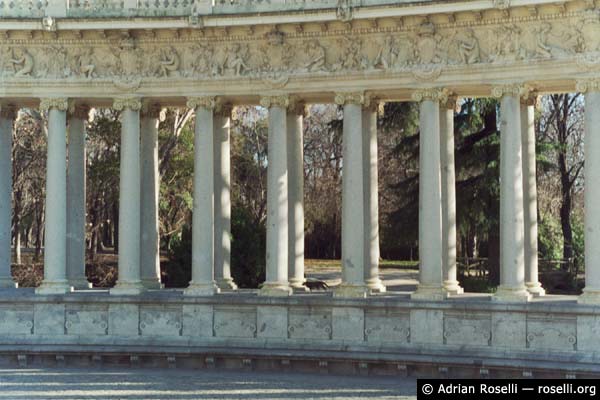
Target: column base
{"points": [[511, 295], [152, 283], [226, 284], [127, 288], [426, 292], [79, 284], [375, 285], [275, 289], [8, 283], [535, 289], [54, 287], [347, 290], [201, 289], [589, 296], [453, 288]]}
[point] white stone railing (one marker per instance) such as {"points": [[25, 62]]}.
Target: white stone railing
{"points": [[157, 8]]}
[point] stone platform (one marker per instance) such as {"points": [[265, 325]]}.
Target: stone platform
{"points": [[387, 334]]}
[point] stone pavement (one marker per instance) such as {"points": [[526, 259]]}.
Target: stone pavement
{"points": [[127, 383]]}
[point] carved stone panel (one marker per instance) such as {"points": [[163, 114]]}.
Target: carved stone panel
{"points": [[235, 322], [387, 326], [49, 319], [509, 329], [16, 320], [86, 320], [466, 328], [197, 320], [588, 332], [309, 323], [160, 320], [549, 331]]}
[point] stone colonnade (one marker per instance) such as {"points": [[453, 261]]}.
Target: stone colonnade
{"points": [[138, 241]]}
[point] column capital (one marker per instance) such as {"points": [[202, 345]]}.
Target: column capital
{"points": [[343, 98], [529, 96], [297, 106], [150, 109], [588, 85], [223, 108], [8, 111], [431, 94], [374, 104], [59, 103], [79, 111], [131, 103], [207, 102], [450, 101], [510, 89], [280, 100]]}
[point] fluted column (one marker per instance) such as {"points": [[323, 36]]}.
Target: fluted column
{"points": [[512, 239], [295, 154], [203, 221], [591, 89], [150, 255], [76, 182], [353, 198], [371, 194], [8, 113], [430, 197], [530, 217], [129, 281], [448, 183], [55, 237], [222, 179], [277, 283]]}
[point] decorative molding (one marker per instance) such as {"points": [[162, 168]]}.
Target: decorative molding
{"points": [[58, 103], [282, 100], [207, 102], [343, 98], [374, 104], [588, 85], [8, 111]]}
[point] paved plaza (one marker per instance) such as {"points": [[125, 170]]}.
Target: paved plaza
{"points": [[125, 383]]}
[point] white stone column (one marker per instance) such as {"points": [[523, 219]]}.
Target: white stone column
{"points": [[448, 183], [55, 237], [129, 282], [222, 179], [8, 113], [203, 220], [430, 197], [295, 154], [530, 216], [353, 198], [150, 253], [371, 195], [591, 292], [277, 283], [512, 238], [76, 183]]}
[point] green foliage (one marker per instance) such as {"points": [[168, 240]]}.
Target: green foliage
{"points": [[578, 242], [248, 247], [549, 238]]}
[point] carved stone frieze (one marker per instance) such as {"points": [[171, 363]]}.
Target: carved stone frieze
{"points": [[422, 49]]}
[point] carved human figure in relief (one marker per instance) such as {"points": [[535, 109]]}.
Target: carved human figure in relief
{"points": [[23, 62], [468, 48], [542, 48], [236, 59], [426, 45], [169, 62], [86, 64], [388, 54], [351, 57], [128, 57], [316, 56], [205, 63], [508, 44]]}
